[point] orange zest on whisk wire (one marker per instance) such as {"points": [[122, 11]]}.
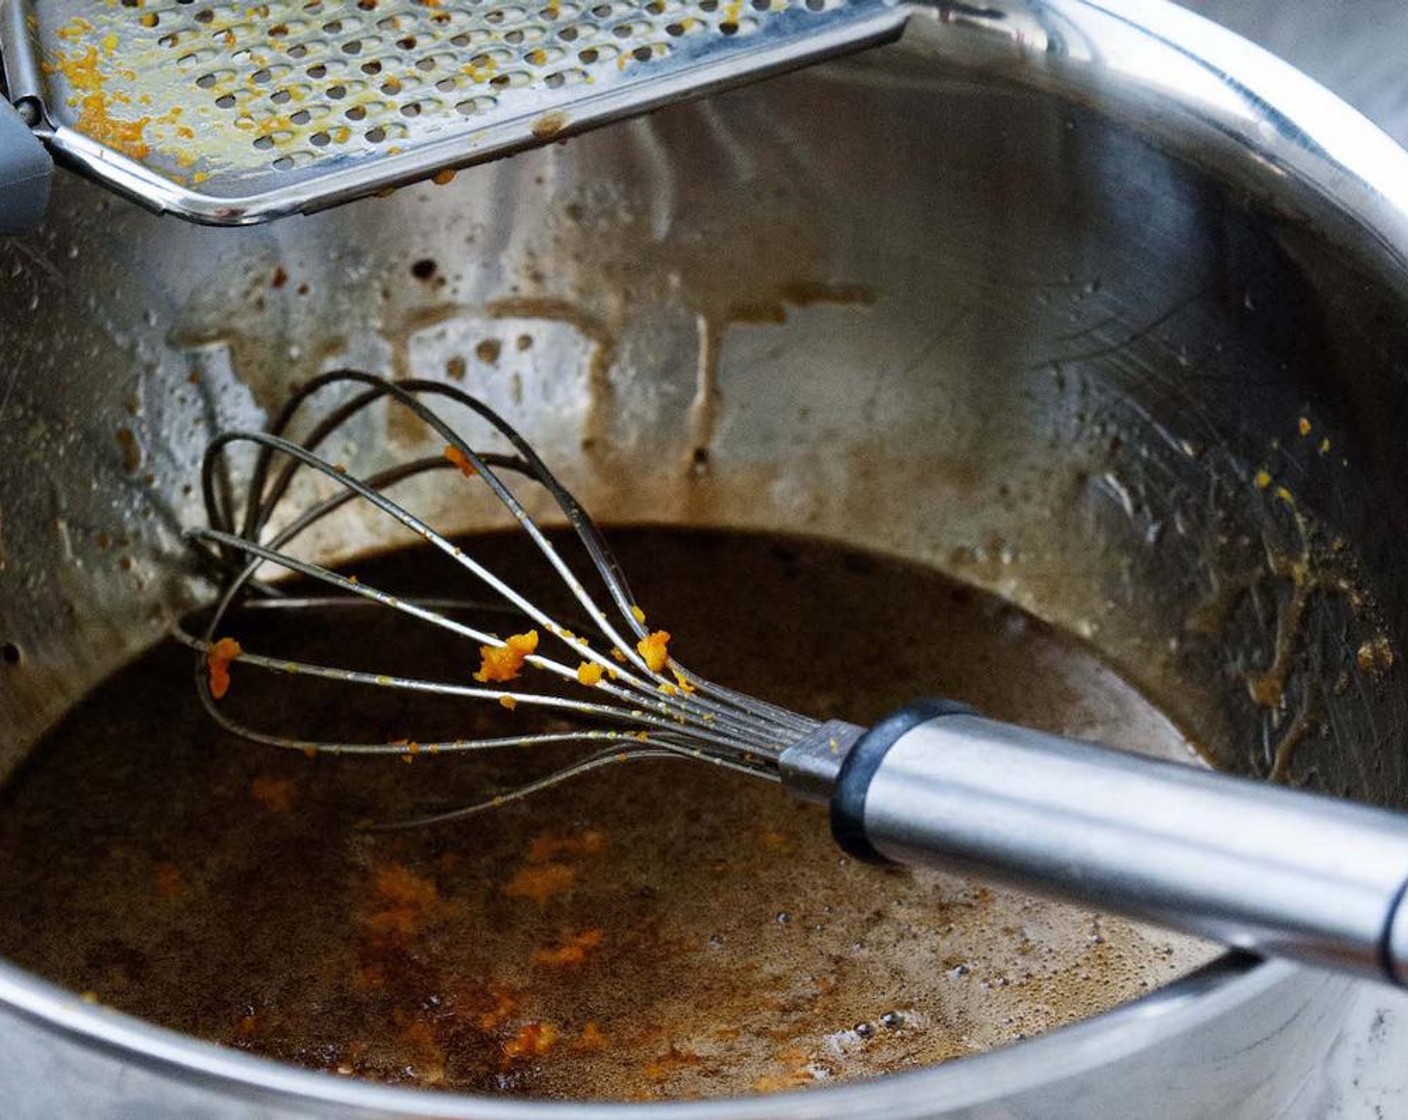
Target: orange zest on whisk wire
{"points": [[653, 647], [217, 660], [460, 459], [503, 663]]}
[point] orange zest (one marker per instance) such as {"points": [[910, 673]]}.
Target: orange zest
{"points": [[274, 794], [589, 673], [217, 660], [533, 1040], [502, 663], [591, 1040], [540, 882], [653, 649], [547, 846], [461, 460], [571, 952]]}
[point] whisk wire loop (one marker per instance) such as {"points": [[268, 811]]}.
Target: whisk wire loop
{"points": [[649, 715]]}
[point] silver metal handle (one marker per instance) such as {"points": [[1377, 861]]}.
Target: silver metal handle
{"points": [[1264, 868]]}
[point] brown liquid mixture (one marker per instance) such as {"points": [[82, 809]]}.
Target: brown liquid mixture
{"points": [[656, 929]]}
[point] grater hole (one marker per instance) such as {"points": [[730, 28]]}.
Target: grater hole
{"points": [[728, 27], [567, 78], [205, 56], [815, 5], [407, 44], [299, 51], [356, 113], [317, 70], [264, 143], [352, 46], [372, 67], [367, 5], [262, 77], [205, 15], [475, 105], [226, 101], [205, 81], [281, 97], [446, 85], [320, 139], [391, 130], [338, 92], [411, 109], [425, 65], [302, 117], [171, 41], [511, 79], [284, 163]]}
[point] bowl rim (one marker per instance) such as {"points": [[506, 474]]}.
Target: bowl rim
{"points": [[1065, 1053]]}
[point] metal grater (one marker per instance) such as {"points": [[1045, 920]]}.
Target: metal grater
{"points": [[234, 113]]}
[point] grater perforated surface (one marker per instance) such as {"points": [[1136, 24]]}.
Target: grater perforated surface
{"points": [[235, 112]]}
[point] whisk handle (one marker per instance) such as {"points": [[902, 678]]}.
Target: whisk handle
{"points": [[1264, 868]]}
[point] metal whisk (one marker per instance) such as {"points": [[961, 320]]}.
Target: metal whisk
{"points": [[1259, 867], [652, 706]]}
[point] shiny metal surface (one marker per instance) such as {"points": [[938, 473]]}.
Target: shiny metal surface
{"points": [[230, 115], [25, 174], [809, 767], [1351, 49], [1249, 864], [1120, 256]]}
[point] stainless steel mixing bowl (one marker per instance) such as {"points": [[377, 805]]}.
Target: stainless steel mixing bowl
{"points": [[1086, 302]]}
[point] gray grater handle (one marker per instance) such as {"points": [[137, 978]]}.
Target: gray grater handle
{"points": [[25, 173]]}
